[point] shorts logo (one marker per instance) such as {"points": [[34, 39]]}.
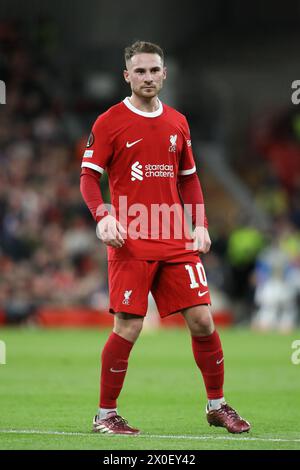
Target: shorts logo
{"points": [[173, 140], [127, 294], [201, 294], [136, 172]]}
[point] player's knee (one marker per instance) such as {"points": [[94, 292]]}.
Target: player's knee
{"points": [[136, 327], [205, 324], [128, 328], [203, 328], [200, 322]]}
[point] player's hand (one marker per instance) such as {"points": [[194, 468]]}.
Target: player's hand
{"points": [[110, 231], [201, 238]]}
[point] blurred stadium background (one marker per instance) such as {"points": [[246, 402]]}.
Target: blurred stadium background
{"points": [[231, 66]]}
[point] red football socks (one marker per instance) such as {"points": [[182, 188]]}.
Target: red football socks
{"points": [[114, 367], [209, 357]]}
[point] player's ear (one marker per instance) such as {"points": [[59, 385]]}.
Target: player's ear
{"points": [[126, 76], [164, 73]]}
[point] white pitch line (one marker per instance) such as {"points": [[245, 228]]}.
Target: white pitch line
{"points": [[151, 436]]}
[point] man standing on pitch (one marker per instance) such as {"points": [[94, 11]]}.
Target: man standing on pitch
{"points": [[145, 147]]}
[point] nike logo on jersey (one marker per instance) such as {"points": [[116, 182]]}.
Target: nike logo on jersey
{"points": [[130, 144], [113, 370], [220, 361], [202, 294]]}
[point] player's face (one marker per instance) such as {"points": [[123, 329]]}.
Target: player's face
{"points": [[145, 73]]}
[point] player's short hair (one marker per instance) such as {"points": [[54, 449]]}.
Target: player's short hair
{"points": [[140, 47]]}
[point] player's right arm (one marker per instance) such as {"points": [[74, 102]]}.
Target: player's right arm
{"points": [[108, 229], [96, 157]]}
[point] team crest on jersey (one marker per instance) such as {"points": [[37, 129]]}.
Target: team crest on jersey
{"points": [[127, 294], [173, 141], [90, 140]]}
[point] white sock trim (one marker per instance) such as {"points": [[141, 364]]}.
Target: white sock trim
{"points": [[215, 404], [103, 412]]}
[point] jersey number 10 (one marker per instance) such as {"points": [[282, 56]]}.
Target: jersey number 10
{"points": [[201, 275]]}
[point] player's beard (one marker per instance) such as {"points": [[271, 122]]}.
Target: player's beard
{"points": [[148, 93]]}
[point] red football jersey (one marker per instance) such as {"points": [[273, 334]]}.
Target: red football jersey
{"points": [[143, 153]]}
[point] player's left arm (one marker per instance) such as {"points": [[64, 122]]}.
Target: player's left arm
{"points": [[191, 194], [190, 190]]}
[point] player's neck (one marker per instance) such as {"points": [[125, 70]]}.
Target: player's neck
{"points": [[146, 105]]}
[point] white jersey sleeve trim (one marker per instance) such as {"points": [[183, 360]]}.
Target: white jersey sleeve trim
{"points": [[93, 166], [187, 172]]}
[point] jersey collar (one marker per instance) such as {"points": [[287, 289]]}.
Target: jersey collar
{"points": [[156, 113]]}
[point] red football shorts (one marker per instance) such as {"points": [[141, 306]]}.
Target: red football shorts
{"points": [[174, 285]]}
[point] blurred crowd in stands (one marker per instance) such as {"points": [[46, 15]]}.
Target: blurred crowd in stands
{"points": [[49, 254]]}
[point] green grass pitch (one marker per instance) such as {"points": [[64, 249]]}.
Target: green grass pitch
{"points": [[49, 391]]}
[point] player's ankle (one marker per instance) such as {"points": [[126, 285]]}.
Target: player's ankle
{"points": [[103, 413], [215, 404]]}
